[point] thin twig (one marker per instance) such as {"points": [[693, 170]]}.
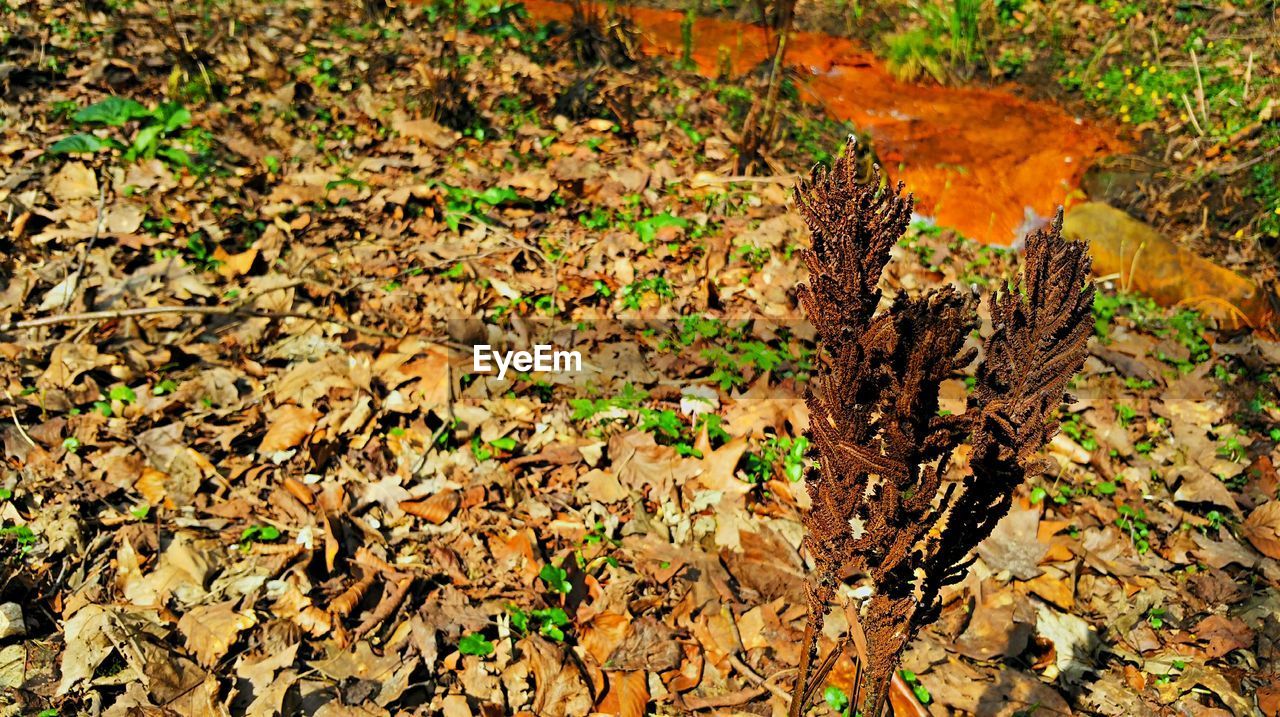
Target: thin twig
{"points": [[13, 413], [728, 699], [820, 674], [385, 608], [1192, 114], [759, 681], [1248, 76], [1195, 62], [200, 310]]}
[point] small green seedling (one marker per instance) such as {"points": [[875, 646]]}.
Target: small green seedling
{"points": [[555, 578], [475, 644]]}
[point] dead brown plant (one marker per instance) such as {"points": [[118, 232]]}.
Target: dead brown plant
{"points": [[883, 506]]}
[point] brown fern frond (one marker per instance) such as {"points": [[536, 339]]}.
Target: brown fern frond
{"points": [[879, 507], [1041, 328]]}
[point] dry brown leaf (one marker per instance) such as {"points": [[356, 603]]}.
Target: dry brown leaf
{"points": [[648, 645], [1220, 635], [73, 182], [68, 361], [603, 634], [561, 690], [1262, 528], [719, 467], [300, 490], [151, 485], [627, 696], [435, 509], [233, 265], [212, 629], [124, 218], [427, 130], [289, 425]]}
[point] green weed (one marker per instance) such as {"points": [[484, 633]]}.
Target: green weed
{"points": [[157, 135], [1133, 521]]}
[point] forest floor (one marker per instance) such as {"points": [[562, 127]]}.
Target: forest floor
{"points": [[247, 468]]}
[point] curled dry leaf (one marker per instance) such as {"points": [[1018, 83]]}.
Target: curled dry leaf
{"points": [[347, 601], [435, 509], [1262, 528], [301, 491]]}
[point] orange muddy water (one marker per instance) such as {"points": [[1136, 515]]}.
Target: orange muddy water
{"points": [[977, 160]]}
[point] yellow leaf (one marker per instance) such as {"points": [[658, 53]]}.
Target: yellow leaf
{"points": [[233, 265]]}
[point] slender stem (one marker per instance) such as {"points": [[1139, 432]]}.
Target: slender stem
{"points": [[856, 690], [820, 675], [811, 627], [775, 81]]}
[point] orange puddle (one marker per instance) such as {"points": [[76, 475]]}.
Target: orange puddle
{"points": [[976, 159]]}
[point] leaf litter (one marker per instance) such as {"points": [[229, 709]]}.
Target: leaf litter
{"points": [[295, 505]]}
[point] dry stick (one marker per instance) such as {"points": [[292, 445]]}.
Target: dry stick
{"points": [[856, 691], [200, 310], [775, 81], [13, 413], [1195, 62], [820, 674], [767, 683], [1248, 75], [1192, 114], [809, 645], [385, 608], [729, 699]]}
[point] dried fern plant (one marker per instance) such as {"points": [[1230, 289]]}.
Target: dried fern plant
{"points": [[880, 505]]}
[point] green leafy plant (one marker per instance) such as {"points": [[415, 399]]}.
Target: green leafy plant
{"points": [[23, 537], [950, 34], [1075, 429], [836, 699], [585, 409], [647, 229], [548, 622], [1155, 617], [474, 644], [785, 453], [463, 202], [1133, 521], [921, 692], [156, 134], [555, 578], [123, 394], [632, 295], [259, 534], [484, 451]]}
